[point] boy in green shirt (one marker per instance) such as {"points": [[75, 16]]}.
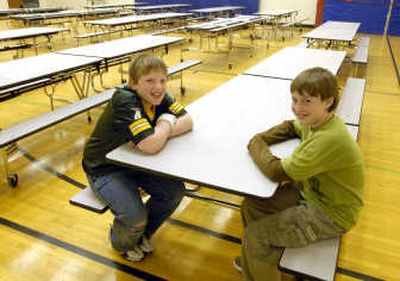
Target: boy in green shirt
{"points": [[321, 183]]}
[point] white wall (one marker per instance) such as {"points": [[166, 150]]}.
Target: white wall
{"points": [[71, 4], [308, 8], [77, 4], [3, 4]]}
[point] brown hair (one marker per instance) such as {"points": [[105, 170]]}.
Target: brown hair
{"points": [[144, 64], [315, 82]]}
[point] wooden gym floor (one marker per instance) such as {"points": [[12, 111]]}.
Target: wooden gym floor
{"points": [[43, 237]]}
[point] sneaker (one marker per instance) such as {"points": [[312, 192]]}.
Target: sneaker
{"points": [[134, 255], [145, 245], [192, 188], [237, 263]]}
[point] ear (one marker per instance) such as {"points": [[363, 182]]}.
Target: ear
{"points": [[328, 102], [132, 84]]}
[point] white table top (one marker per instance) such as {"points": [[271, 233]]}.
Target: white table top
{"points": [[122, 47], [156, 7], [13, 34], [24, 70], [63, 14], [30, 10], [217, 9], [277, 12], [290, 61], [215, 153], [334, 30], [341, 24], [224, 22], [136, 19], [113, 5]]}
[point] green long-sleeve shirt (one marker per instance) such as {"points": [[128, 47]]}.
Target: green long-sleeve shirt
{"points": [[328, 164]]}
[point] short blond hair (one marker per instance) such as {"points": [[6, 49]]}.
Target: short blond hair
{"points": [[144, 64], [317, 81]]}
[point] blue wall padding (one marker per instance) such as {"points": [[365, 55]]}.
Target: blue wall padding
{"points": [[251, 5], [371, 14], [394, 26]]}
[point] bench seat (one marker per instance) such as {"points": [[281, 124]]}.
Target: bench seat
{"points": [[165, 31], [87, 199], [92, 34], [9, 92], [31, 126], [351, 101], [361, 53], [16, 47], [182, 66], [316, 261], [12, 134]]}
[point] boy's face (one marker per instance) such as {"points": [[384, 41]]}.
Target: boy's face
{"points": [[309, 110], [151, 87]]}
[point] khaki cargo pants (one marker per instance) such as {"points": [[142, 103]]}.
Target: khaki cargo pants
{"points": [[270, 225]]}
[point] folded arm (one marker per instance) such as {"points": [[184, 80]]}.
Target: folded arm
{"points": [[183, 124], [167, 127], [259, 150]]}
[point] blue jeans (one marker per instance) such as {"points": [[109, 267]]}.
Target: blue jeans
{"points": [[133, 218]]}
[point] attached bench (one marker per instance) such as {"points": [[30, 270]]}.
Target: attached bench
{"points": [[316, 261], [179, 68], [16, 47], [11, 92], [165, 31], [351, 101], [29, 127], [87, 199], [92, 34], [360, 56]]}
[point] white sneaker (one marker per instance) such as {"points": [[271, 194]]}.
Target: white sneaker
{"points": [[134, 255], [237, 263], [146, 246]]}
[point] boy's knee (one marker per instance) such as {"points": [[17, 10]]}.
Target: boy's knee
{"points": [[133, 220], [138, 227], [176, 191]]}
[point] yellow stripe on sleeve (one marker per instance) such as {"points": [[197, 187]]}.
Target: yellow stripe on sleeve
{"points": [[137, 122], [176, 107], [139, 126], [140, 129]]}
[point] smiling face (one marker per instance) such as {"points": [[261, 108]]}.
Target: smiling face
{"points": [[315, 96], [151, 87], [311, 110]]}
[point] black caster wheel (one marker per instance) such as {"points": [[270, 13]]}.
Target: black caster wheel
{"points": [[12, 180], [183, 91]]}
